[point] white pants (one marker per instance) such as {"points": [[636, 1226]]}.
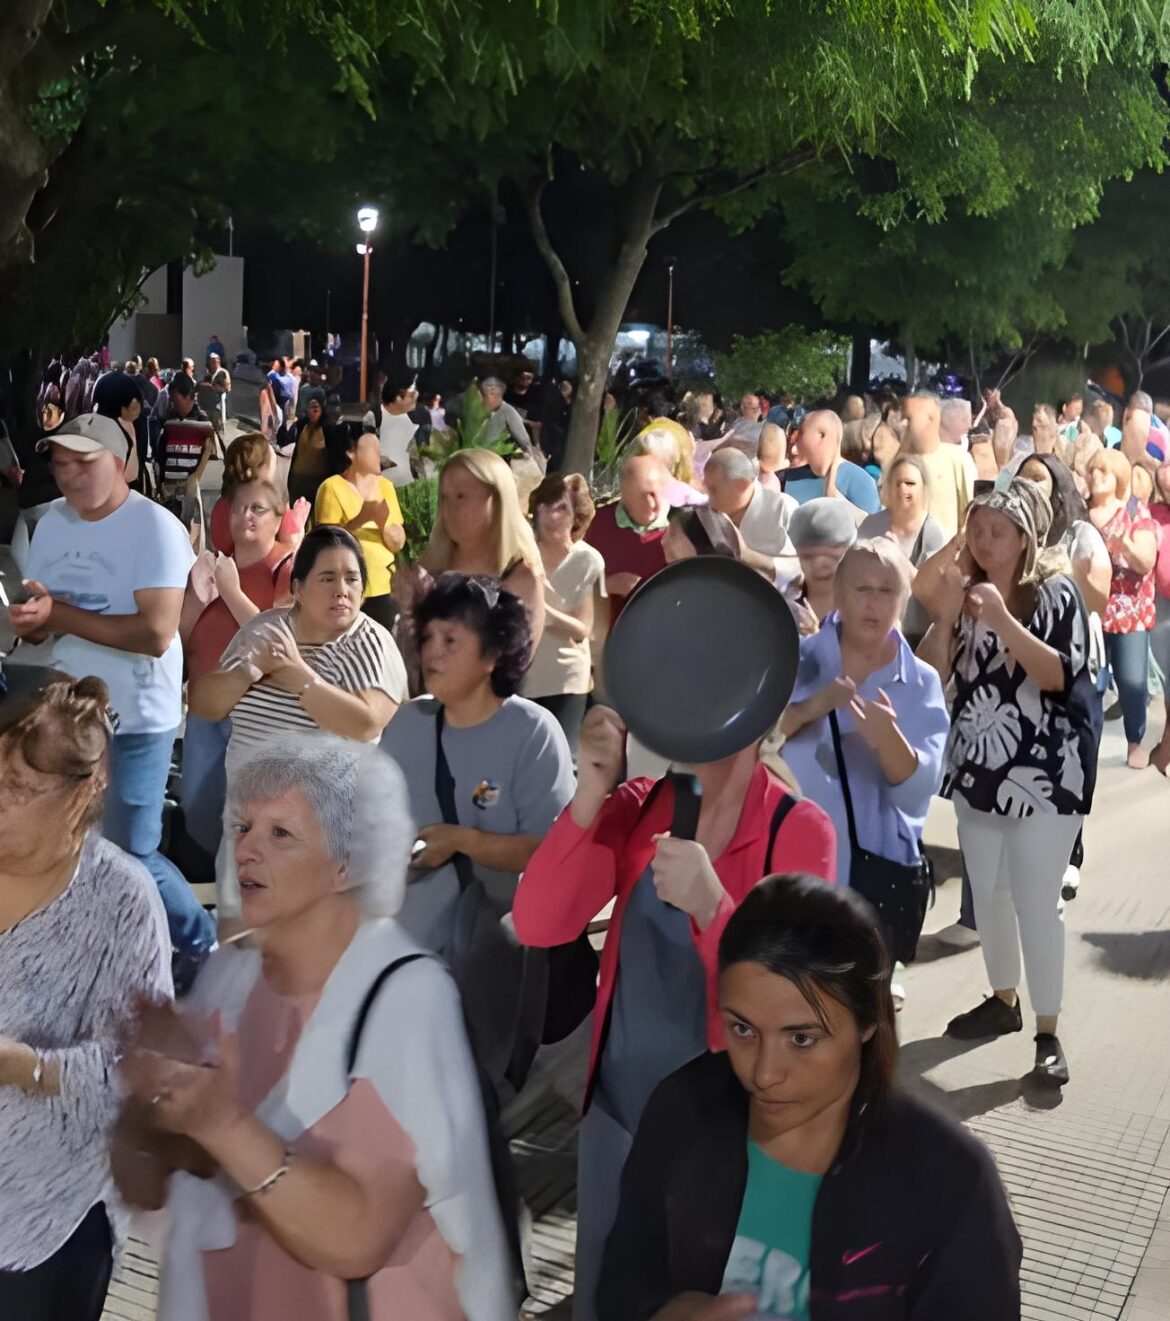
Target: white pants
{"points": [[1016, 867]]}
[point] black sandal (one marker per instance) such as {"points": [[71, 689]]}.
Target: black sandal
{"points": [[1051, 1064]]}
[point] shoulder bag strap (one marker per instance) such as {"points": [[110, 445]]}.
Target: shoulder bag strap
{"points": [[445, 793], [356, 1294], [916, 549], [836, 730], [783, 807]]}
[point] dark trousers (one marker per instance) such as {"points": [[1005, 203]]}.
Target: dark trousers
{"points": [[71, 1285], [569, 710], [381, 609]]}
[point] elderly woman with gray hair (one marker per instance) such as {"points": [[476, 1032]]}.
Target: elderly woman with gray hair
{"points": [[312, 1116], [821, 531], [1010, 631]]}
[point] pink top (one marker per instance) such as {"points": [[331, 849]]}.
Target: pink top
{"points": [[1161, 515], [255, 1279]]}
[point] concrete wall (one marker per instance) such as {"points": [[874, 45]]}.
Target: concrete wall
{"points": [[213, 304], [127, 337]]}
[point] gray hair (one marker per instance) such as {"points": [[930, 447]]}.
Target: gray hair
{"points": [[953, 404], [658, 442], [825, 521], [734, 464], [359, 798], [492, 383]]}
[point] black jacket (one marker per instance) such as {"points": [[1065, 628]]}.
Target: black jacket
{"points": [[911, 1223]]}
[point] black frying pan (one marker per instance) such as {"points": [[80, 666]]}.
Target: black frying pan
{"points": [[700, 664]]}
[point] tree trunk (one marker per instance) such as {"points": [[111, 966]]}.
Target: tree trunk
{"points": [[860, 367], [911, 358]]}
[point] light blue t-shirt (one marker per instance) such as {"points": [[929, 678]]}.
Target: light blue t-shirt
{"points": [[772, 1251], [854, 483]]}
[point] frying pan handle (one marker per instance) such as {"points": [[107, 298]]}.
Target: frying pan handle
{"points": [[688, 799]]}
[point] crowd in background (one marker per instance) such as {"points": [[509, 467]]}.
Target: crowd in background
{"points": [[406, 783]]}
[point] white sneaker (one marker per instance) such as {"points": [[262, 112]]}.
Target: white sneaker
{"points": [[1071, 883], [958, 936]]}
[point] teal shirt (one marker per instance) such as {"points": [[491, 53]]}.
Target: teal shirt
{"points": [[773, 1240]]}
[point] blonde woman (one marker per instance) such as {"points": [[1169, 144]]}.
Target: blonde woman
{"points": [[482, 530], [672, 443]]}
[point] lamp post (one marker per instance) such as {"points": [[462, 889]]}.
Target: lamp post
{"points": [[670, 264], [367, 218]]}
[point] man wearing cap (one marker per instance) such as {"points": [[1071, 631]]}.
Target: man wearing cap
{"points": [[106, 574]]}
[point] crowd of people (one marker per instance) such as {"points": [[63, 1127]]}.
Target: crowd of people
{"points": [[415, 800]]}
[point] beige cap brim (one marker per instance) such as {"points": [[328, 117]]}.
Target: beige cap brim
{"points": [[79, 444]]}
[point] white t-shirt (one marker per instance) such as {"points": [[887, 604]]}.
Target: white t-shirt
{"points": [[559, 664], [394, 436], [99, 566]]}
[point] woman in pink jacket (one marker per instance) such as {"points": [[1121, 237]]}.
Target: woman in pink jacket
{"points": [[657, 1005]]}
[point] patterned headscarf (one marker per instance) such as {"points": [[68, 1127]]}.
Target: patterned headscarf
{"points": [[1026, 505]]}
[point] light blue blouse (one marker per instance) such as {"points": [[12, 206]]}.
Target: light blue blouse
{"points": [[889, 817]]}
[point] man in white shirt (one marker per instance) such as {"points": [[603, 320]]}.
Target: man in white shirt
{"points": [[955, 421], [107, 570], [761, 515], [397, 429]]}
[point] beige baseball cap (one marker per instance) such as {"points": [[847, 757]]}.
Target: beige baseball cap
{"points": [[90, 433]]}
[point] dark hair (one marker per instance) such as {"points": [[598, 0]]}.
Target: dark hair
{"points": [[568, 486], [824, 939], [396, 386], [710, 532], [324, 537], [497, 615], [182, 384], [1068, 505], [113, 392]]}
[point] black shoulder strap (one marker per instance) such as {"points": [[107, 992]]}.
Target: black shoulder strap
{"points": [[355, 1036], [783, 807], [916, 549], [836, 730], [445, 793]]}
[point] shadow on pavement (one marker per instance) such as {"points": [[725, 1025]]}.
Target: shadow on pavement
{"points": [[927, 1053], [932, 950], [1141, 954]]}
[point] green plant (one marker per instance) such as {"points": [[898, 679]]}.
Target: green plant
{"points": [[613, 441], [420, 507], [468, 432], [808, 364]]}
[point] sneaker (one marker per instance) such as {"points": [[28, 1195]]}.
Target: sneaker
{"points": [[957, 936], [1071, 883], [992, 1018], [1051, 1065]]}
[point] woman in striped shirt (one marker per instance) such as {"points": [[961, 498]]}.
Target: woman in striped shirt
{"points": [[321, 664]]}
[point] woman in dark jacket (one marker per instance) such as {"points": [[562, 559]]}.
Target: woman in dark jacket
{"points": [[790, 1170]]}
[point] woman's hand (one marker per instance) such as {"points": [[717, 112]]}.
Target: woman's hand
{"points": [[683, 876], [806, 621], [203, 578], [195, 1100], [838, 692], [275, 653], [600, 755], [707, 1307], [442, 842], [983, 601], [227, 575], [301, 510], [877, 722]]}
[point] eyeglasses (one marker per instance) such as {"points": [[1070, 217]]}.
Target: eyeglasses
{"points": [[257, 511]]}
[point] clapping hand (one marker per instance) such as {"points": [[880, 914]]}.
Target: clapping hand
{"points": [[875, 721], [202, 580], [838, 692], [227, 575]]}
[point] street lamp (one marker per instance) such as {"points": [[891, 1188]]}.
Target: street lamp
{"points": [[367, 218], [670, 265]]}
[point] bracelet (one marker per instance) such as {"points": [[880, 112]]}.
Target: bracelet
{"points": [[265, 1184]]}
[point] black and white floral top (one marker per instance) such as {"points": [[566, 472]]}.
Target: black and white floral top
{"points": [[1013, 750]]}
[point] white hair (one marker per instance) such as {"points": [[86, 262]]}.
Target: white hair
{"points": [[359, 798], [953, 404], [660, 443], [734, 464]]}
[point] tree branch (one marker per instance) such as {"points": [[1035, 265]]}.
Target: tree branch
{"points": [[533, 192], [793, 160]]}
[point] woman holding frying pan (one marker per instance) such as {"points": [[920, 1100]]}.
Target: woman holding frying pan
{"points": [[674, 885]]}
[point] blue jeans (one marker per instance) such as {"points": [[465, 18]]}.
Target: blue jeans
{"points": [[139, 764], [1129, 659], [204, 785]]}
